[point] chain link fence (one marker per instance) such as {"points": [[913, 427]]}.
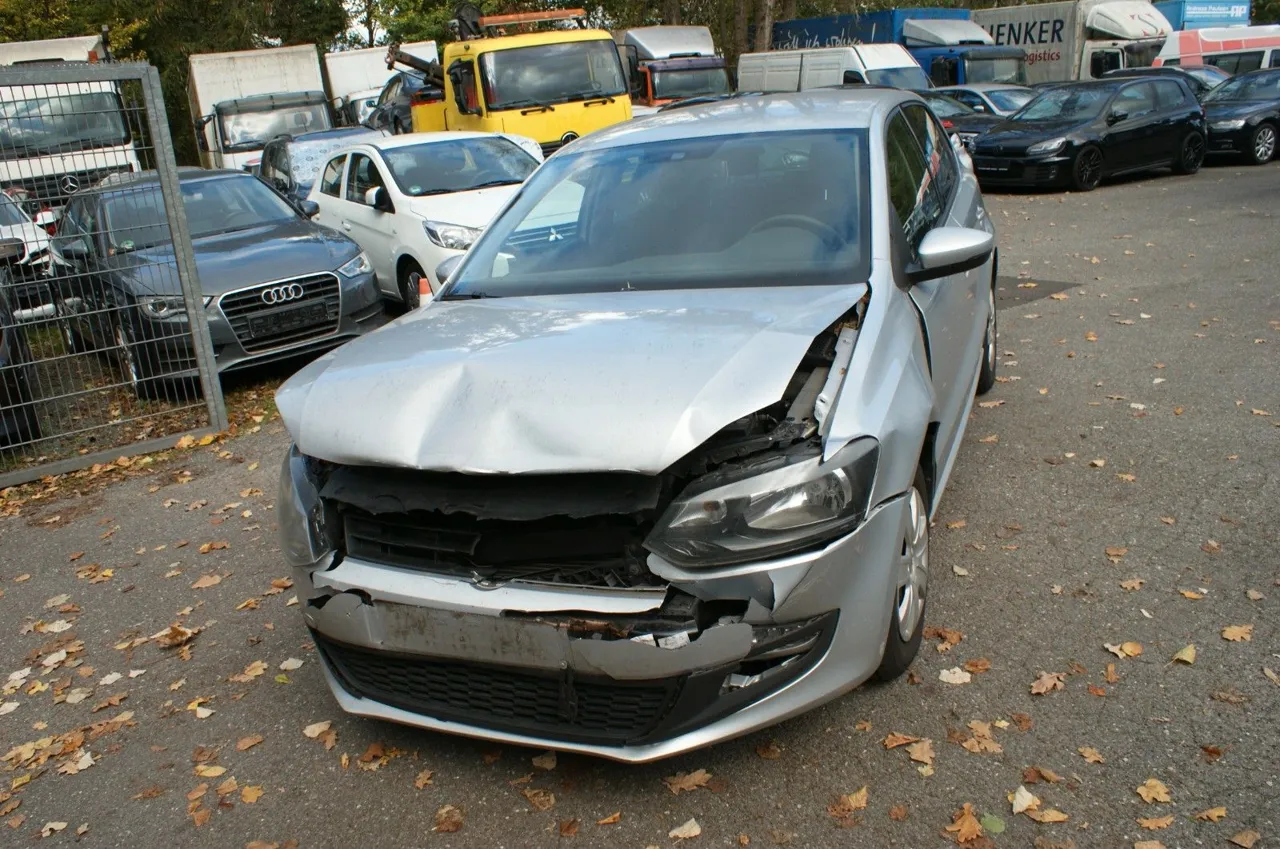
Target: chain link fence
{"points": [[104, 341]]}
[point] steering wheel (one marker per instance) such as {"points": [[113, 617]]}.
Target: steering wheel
{"points": [[825, 232]]}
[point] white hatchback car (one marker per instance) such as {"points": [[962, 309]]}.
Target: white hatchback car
{"points": [[412, 201]]}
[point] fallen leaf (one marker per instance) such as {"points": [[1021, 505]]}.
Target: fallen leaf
{"points": [[201, 816], [769, 751], [291, 664], [898, 813], [895, 740], [977, 665], [921, 752], [252, 671], [1048, 815], [956, 525], [1131, 649], [244, 744], [1115, 552], [316, 729], [1154, 790], [251, 793], [1132, 584], [987, 405], [1191, 594], [568, 828], [1211, 546], [1187, 655], [1246, 838], [547, 761], [1155, 823], [210, 770], [448, 819], [1091, 755], [688, 831], [1047, 683], [542, 800], [964, 825], [1254, 595], [227, 787], [1238, 633], [687, 782], [990, 440], [1212, 814], [612, 819], [422, 779], [1024, 800], [954, 675], [51, 828]]}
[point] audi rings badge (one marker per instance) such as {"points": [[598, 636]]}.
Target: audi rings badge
{"points": [[282, 294]]}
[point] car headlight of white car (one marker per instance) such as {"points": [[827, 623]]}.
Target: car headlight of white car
{"points": [[781, 509], [1050, 146], [1233, 124], [452, 236], [357, 265]]}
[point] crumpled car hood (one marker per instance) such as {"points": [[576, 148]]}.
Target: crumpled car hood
{"points": [[618, 381]]}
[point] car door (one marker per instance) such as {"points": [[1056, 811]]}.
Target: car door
{"points": [[327, 192], [1133, 140], [926, 192], [81, 285], [373, 229], [1178, 110]]}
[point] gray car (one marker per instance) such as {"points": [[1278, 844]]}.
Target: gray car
{"points": [[274, 284], [1000, 99], [656, 467]]}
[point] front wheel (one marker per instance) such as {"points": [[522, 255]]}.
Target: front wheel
{"points": [[906, 619], [135, 370], [1086, 171], [1190, 155], [1262, 144], [411, 278], [987, 377]]}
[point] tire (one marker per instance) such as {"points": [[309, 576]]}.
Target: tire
{"points": [[987, 377], [410, 276], [397, 128], [1086, 169], [132, 368], [1262, 144], [906, 619], [1190, 154], [71, 338]]}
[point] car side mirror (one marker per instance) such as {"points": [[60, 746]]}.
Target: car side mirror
{"points": [[979, 107], [1116, 116], [951, 250], [73, 247], [309, 208], [378, 198], [445, 269], [11, 250]]}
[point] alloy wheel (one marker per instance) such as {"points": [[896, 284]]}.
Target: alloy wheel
{"points": [[991, 329], [914, 569], [1264, 143], [1089, 168], [124, 343], [1193, 153]]}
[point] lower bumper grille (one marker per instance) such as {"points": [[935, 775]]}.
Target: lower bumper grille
{"points": [[566, 708], [313, 311]]}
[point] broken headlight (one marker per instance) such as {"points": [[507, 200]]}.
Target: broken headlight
{"points": [[769, 514]]}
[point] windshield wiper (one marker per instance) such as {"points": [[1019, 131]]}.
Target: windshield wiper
{"points": [[506, 182], [428, 192], [468, 296], [533, 106], [591, 98]]}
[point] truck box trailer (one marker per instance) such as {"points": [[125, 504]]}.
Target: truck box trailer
{"points": [[355, 72], [241, 100], [1079, 39]]}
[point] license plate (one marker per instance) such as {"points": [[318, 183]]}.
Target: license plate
{"points": [[991, 166], [271, 324]]}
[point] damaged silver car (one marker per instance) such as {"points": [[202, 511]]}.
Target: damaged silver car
{"points": [[656, 467]]}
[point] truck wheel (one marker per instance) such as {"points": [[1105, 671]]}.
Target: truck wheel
{"points": [[1086, 171], [1190, 155], [1262, 144]]}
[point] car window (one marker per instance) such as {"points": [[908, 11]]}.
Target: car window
{"points": [[362, 176], [909, 177], [1275, 58], [1169, 95], [389, 93], [461, 165], [1102, 61], [1236, 63], [943, 170], [968, 98], [1137, 100], [331, 180]]}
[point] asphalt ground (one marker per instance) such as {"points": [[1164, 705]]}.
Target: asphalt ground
{"points": [[1120, 489]]}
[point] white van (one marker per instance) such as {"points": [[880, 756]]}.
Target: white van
{"points": [[1236, 50], [861, 64]]}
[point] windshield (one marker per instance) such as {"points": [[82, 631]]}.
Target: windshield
{"points": [[552, 73], [766, 209], [1252, 87], [1007, 70], [1010, 99], [43, 125], [1208, 75], [251, 130], [1140, 54], [1065, 104], [135, 219], [10, 213], [911, 78], [435, 168], [690, 82], [945, 107]]}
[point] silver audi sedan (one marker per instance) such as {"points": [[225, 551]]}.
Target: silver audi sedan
{"points": [[656, 467]]}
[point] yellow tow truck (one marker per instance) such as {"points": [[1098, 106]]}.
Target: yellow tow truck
{"points": [[552, 86]]}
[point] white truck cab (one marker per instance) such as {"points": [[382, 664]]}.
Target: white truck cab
{"points": [[818, 67]]}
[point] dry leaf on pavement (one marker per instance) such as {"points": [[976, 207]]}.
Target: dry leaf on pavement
{"points": [[1148, 844], [1047, 683], [964, 825], [687, 782], [898, 813], [688, 831], [1238, 633], [251, 793], [422, 779], [1024, 800], [770, 751], [977, 665], [1187, 655], [542, 800], [954, 675], [895, 740], [1091, 755], [206, 581], [612, 819], [1155, 823], [316, 729], [1246, 838], [1048, 815], [546, 761], [448, 819], [1154, 790], [921, 752]]}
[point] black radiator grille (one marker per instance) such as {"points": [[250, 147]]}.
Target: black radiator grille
{"points": [[260, 326]]}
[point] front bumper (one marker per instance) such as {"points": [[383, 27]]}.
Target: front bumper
{"points": [[543, 665], [1230, 141], [1021, 170]]}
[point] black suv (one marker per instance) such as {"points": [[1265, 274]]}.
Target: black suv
{"points": [[273, 283], [1080, 133]]}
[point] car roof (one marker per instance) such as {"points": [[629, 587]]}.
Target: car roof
{"points": [[412, 139], [139, 179], [984, 86], [323, 135], [814, 109]]}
